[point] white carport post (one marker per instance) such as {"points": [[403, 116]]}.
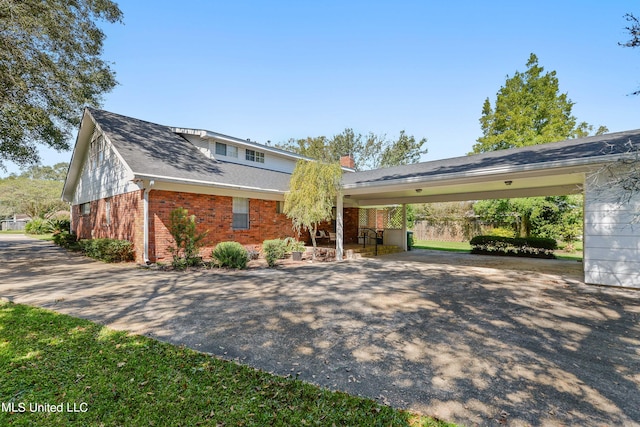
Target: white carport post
{"points": [[404, 227], [339, 228]]}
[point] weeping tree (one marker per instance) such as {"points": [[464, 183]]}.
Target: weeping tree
{"points": [[313, 189]]}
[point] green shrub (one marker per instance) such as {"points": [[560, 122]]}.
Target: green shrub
{"points": [[187, 240], [38, 226], [66, 240], [107, 250], [60, 225], [502, 232], [536, 247], [274, 250], [230, 254], [293, 245]]}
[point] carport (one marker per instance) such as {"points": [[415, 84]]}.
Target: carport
{"points": [[591, 165]]}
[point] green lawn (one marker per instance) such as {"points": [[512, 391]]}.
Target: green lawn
{"points": [[47, 236], [443, 246], [106, 377]]}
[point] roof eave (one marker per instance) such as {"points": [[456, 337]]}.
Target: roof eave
{"points": [[587, 163]]}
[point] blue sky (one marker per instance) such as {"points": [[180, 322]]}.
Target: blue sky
{"points": [[270, 71]]}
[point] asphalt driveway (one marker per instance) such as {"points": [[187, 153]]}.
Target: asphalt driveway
{"points": [[471, 339]]}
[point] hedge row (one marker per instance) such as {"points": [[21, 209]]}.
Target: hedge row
{"points": [[107, 250], [535, 247]]}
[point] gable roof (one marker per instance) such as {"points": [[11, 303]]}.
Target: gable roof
{"points": [[155, 151]]}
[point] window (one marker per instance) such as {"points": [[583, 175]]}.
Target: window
{"points": [[254, 156], [85, 208], [279, 207], [240, 213], [226, 150], [97, 151], [221, 149]]}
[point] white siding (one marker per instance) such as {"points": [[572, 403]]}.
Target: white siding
{"points": [[272, 161], [611, 238], [103, 175]]}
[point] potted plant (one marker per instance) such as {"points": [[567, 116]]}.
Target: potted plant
{"points": [[296, 248]]}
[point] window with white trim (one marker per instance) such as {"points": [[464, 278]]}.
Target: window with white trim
{"points": [[240, 213], [85, 208], [97, 150], [223, 149], [254, 156]]}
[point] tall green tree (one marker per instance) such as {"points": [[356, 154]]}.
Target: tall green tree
{"points": [[369, 151], [529, 109], [313, 189], [50, 67]]}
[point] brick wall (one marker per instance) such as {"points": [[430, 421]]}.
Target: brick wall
{"points": [[350, 218], [125, 220], [215, 214]]}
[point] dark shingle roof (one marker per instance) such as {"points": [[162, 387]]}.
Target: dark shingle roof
{"points": [[585, 150], [153, 149]]}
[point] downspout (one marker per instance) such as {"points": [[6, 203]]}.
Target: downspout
{"points": [[145, 209]]}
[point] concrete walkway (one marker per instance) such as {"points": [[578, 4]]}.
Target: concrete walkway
{"points": [[471, 339]]}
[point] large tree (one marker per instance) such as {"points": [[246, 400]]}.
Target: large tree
{"points": [[35, 192], [50, 67], [313, 189], [529, 109], [369, 151]]}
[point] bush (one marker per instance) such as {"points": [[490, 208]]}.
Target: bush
{"points": [[60, 225], [274, 250], [38, 226], [502, 232], [107, 250], [536, 247], [66, 240], [187, 240], [292, 245], [231, 254]]}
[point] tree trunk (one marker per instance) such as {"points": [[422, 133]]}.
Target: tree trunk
{"points": [[313, 240]]}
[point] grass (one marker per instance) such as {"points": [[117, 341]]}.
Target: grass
{"points": [[466, 247], [443, 246], [46, 236], [122, 379]]}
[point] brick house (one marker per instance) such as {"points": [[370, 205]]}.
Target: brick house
{"points": [[126, 176]]}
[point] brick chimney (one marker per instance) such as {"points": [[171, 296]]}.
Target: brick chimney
{"points": [[347, 162]]}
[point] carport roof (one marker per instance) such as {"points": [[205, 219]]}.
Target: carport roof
{"points": [[546, 169]]}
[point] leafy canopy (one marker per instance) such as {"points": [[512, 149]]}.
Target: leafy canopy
{"points": [[369, 151], [313, 189], [529, 109], [35, 192], [50, 67]]}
